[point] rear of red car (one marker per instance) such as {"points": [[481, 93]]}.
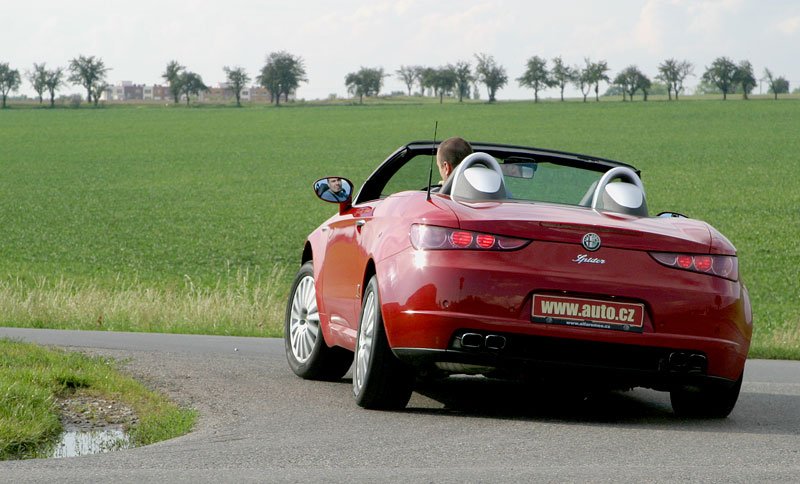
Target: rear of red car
{"points": [[568, 292]]}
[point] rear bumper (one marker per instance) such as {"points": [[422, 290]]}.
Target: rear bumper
{"points": [[572, 360]]}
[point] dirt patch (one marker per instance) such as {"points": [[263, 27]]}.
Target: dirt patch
{"points": [[88, 412]]}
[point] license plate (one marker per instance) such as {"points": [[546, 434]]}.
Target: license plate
{"points": [[587, 313]]}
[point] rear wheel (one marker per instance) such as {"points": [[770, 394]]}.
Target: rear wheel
{"points": [[380, 380], [711, 401], [306, 351]]}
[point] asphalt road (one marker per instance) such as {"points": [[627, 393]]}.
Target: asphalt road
{"points": [[259, 422]]}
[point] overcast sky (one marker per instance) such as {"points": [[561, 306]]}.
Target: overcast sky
{"points": [[136, 39]]}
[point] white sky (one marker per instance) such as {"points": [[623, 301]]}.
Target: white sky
{"points": [[137, 38]]}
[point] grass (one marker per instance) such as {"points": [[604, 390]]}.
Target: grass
{"points": [[171, 219], [32, 378]]}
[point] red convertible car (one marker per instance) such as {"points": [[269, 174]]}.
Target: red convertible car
{"points": [[527, 263]]}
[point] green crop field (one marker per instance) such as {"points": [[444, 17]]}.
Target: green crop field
{"points": [[192, 220]]}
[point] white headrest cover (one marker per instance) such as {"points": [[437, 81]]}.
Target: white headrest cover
{"points": [[483, 179], [625, 194]]}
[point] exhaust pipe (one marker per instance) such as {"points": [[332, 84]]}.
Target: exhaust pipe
{"points": [[495, 342], [697, 364], [472, 341], [687, 362]]}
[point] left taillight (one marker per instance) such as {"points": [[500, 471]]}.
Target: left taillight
{"points": [[432, 237], [726, 266]]}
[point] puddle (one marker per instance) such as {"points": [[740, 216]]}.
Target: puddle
{"points": [[77, 442]]}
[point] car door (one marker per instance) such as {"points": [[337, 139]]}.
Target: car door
{"points": [[342, 274]]}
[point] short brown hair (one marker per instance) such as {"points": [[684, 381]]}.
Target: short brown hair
{"points": [[454, 149]]}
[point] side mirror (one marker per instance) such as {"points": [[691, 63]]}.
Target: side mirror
{"points": [[671, 215], [334, 189]]}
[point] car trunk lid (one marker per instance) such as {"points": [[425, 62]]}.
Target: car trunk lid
{"points": [[569, 224]]}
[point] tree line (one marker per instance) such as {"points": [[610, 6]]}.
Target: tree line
{"points": [[283, 73]]}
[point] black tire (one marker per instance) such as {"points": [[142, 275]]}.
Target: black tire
{"points": [[308, 354], [380, 380], [710, 401]]}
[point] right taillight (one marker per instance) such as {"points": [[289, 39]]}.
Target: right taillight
{"points": [[726, 266]]}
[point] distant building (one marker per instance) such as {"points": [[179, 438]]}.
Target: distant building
{"points": [[224, 93], [157, 92], [128, 91], [124, 91]]}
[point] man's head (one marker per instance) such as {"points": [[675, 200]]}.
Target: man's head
{"points": [[335, 184], [451, 152]]}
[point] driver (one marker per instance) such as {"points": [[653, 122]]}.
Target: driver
{"points": [[335, 192], [450, 153]]}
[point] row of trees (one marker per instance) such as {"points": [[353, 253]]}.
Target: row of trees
{"points": [[723, 74], [453, 79], [283, 72], [281, 75]]}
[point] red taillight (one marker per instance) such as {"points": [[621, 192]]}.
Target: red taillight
{"points": [[684, 261], [485, 241], [726, 266], [703, 263], [429, 237], [461, 239]]}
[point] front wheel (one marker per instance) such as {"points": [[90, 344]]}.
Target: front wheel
{"points": [[711, 401], [380, 380], [306, 351]]}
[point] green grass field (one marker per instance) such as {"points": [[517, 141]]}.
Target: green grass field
{"points": [[192, 220]]}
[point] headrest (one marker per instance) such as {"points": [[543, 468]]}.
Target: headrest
{"points": [[478, 177], [624, 197]]}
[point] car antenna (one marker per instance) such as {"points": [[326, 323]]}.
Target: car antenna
{"points": [[433, 151]]}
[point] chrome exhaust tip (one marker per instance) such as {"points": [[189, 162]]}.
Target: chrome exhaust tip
{"points": [[495, 342], [697, 363], [471, 341]]}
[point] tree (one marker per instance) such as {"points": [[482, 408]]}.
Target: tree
{"points": [[721, 73], [666, 72], [562, 74], [191, 83], [583, 78], [490, 74], [173, 76], [419, 75], [408, 74], [444, 81], [9, 80], [626, 80], [282, 75], [237, 80], [595, 74], [630, 80], [54, 80], [644, 84], [464, 79], [685, 69], [427, 79], [38, 79], [98, 88], [744, 77], [89, 73], [777, 85], [366, 82], [536, 76]]}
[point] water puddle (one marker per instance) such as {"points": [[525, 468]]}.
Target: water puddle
{"points": [[77, 442]]}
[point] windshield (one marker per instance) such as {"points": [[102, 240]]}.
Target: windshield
{"points": [[526, 180], [549, 182]]}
